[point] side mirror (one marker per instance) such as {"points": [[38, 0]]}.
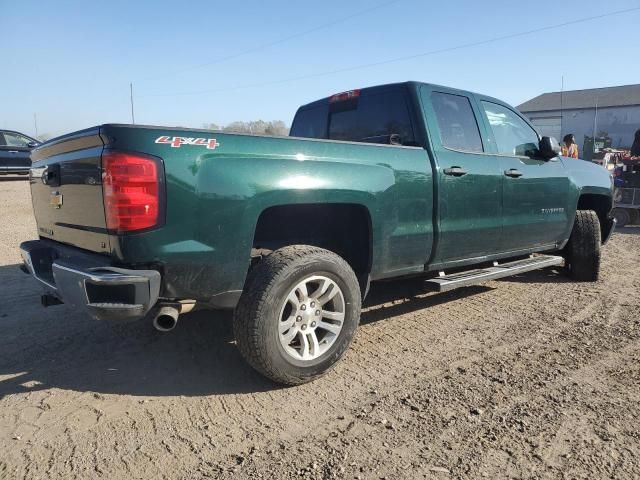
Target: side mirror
{"points": [[549, 148], [33, 144]]}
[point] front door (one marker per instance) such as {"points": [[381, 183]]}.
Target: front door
{"points": [[469, 180], [535, 192], [14, 152]]}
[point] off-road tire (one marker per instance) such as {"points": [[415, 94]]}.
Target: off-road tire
{"points": [[256, 317], [582, 253]]}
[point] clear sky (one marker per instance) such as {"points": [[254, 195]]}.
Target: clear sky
{"points": [[71, 61]]}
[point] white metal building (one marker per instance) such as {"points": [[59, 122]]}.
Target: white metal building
{"points": [[596, 112]]}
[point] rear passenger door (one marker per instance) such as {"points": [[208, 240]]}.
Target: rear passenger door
{"points": [[535, 191], [469, 181]]}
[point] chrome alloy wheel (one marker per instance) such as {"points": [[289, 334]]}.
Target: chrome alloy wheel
{"points": [[311, 318]]}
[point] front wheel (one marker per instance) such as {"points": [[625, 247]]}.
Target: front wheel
{"points": [[582, 253], [298, 313]]}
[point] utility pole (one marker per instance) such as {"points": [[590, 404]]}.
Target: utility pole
{"points": [[35, 123], [595, 125], [133, 118], [561, 105]]}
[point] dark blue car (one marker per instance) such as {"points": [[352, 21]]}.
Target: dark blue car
{"points": [[15, 149]]}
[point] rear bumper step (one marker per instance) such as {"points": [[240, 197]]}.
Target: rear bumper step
{"points": [[445, 283], [88, 281]]}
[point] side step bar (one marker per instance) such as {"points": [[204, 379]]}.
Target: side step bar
{"points": [[444, 283]]}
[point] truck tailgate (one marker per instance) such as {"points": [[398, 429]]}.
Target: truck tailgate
{"points": [[66, 190]]}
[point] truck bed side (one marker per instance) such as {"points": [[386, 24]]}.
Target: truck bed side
{"points": [[215, 198]]}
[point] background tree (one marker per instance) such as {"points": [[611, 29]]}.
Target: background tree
{"points": [[256, 127]]}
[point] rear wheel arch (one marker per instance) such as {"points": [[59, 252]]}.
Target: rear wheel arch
{"points": [[342, 228]]}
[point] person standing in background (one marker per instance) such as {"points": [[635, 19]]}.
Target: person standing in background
{"points": [[569, 147], [635, 148]]}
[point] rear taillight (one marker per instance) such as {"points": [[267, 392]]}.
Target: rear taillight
{"points": [[131, 186]]}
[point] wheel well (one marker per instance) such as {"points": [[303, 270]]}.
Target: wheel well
{"points": [[601, 204], [342, 228]]}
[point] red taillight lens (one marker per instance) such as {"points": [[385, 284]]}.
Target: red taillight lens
{"points": [[131, 189]]}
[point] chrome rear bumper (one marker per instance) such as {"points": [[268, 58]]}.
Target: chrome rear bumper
{"points": [[88, 281]]}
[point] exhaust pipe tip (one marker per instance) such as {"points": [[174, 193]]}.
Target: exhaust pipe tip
{"points": [[166, 319]]}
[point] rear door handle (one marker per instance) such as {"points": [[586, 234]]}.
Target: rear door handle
{"points": [[513, 173], [13, 151], [455, 171]]}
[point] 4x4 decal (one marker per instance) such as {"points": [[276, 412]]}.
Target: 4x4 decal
{"points": [[177, 142]]}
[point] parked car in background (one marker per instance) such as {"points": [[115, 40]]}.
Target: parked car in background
{"points": [[15, 151]]}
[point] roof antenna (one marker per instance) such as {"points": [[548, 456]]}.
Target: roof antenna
{"points": [[133, 118]]}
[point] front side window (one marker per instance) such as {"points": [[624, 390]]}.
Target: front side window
{"points": [[512, 134], [372, 118], [16, 140]]}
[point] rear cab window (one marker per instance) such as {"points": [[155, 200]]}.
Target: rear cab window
{"points": [[311, 122], [369, 116]]}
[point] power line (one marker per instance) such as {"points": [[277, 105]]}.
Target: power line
{"points": [[277, 42], [401, 59]]}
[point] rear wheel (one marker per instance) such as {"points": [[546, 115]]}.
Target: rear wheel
{"points": [[582, 253], [622, 216], [298, 313]]}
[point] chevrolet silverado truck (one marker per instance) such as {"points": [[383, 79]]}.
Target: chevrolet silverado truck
{"points": [[408, 179]]}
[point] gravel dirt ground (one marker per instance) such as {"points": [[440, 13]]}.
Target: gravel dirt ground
{"points": [[529, 377]]}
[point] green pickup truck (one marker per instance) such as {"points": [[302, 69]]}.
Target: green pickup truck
{"points": [[398, 180]]}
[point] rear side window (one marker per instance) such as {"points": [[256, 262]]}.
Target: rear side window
{"points": [[372, 118], [457, 122], [310, 122], [513, 135]]}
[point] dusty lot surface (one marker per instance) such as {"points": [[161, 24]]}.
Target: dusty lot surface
{"points": [[530, 377]]}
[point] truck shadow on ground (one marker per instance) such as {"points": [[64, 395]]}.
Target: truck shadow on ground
{"points": [[15, 178], [59, 347], [628, 230]]}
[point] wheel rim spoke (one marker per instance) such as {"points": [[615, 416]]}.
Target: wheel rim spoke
{"points": [[331, 291], [293, 298], [313, 341], [302, 290], [310, 323], [287, 324], [289, 336], [338, 316], [324, 285], [304, 347], [330, 327]]}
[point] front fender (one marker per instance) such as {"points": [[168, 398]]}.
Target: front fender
{"points": [[592, 188]]}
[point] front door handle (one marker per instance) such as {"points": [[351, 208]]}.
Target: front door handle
{"points": [[513, 173], [455, 171], [13, 151]]}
